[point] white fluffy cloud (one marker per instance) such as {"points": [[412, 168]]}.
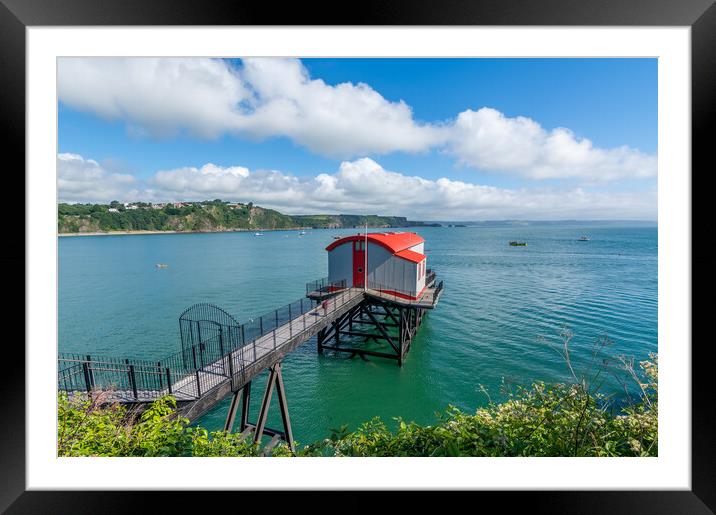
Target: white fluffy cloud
{"points": [[276, 97], [84, 180], [155, 96], [360, 186], [266, 97], [340, 120], [489, 140]]}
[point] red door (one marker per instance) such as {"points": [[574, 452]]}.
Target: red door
{"points": [[358, 263]]}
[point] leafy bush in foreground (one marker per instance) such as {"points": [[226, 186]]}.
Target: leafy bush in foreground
{"points": [[94, 428], [557, 420], [540, 420]]}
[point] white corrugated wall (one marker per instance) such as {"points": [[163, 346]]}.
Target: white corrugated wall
{"points": [[385, 270], [340, 263]]}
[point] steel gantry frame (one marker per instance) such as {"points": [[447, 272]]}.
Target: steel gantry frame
{"points": [[391, 324], [259, 429]]}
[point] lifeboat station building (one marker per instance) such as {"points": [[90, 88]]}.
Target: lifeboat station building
{"points": [[392, 262]]}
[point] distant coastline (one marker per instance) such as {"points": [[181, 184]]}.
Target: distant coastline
{"points": [[205, 216], [128, 233], [215, 216]]}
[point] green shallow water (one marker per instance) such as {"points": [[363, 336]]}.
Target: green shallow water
{"points": [[498, 302]]}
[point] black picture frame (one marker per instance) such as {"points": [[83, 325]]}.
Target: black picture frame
{"points": [[17, 15]]}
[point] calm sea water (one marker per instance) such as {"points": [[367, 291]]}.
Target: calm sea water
{"points": [[499, 304]]}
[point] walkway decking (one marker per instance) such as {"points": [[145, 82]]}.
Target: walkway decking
{"points": [[199, 388], [266, 347], [198, 392]]}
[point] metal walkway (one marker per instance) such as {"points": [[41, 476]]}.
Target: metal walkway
{"points": [[198, 389], [221, 357]]}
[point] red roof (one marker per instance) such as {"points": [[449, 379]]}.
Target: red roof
{"points": [[393, 241], [410, 255]]}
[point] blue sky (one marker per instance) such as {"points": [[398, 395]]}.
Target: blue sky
{"points": [[465, 138]]}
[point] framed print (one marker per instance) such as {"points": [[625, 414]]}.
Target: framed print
{"points": [[414, 249]]}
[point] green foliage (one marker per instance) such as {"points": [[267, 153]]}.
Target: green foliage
{"points": [[209, 215], [219, 443], [93, 428], [539, 420], [338, 221], [556, 420], [214, 215]]}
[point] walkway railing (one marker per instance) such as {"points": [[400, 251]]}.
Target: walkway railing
{"points": [[325, 286], [398, 295], [190, 373], [123, 375]]}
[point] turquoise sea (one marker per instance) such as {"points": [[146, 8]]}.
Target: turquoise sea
{"points": [[499, 305]]}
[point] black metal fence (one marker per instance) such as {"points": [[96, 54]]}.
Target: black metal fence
{"points": [[214, 348], [206, 329], [126, 378], [398, 295], [325, 286]]}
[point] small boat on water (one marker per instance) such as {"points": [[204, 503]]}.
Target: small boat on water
{"points": [[302, 233], [336, 237], [258, 234], [162, 265], [582, 238], [518, 244]]}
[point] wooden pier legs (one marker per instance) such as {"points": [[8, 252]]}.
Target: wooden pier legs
{"points": [[275, 381]]}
